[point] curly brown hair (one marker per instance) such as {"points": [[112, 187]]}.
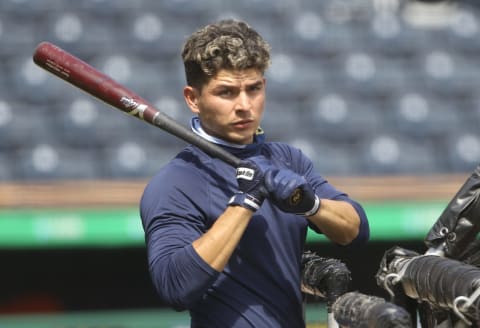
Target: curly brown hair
{"points": [[227, 44]]}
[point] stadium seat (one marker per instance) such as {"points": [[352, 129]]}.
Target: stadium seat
{"points": [[337, 116], [463, 34], [121, 67], [329, 157], [23, 124], [390, 36], [311, 36], [468, 110], [87, 123], [174, 107], [421, 115], [282, 120], [153, 135], [29, 82], [29, 9], [106, 9], [145, 77], [462, 150], [46, 161], [292, 77], [445, 73], [16, 36], [81, 33], [10, 136], [466, 77], [153, 35], [188, 12], [134, 159], [367, 75], [6, 165], [386, 153], [257, 10]]}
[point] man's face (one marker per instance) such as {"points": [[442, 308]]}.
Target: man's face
{"points": [[230, 106]]}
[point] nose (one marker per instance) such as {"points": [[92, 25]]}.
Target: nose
{"points": [[243, 101]]}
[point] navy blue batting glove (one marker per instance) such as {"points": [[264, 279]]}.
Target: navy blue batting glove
{"points": [[291, 192], [251, 189]]}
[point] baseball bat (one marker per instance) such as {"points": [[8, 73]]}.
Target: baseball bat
{"points": [[85, 77]]}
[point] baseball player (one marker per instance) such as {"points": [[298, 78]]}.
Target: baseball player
{"points": [[226, 243]]}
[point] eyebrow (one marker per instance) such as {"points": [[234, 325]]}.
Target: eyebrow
{"points": [[257, 83], [223, 84]]}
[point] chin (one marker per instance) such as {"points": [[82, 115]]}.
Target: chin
{"points": [[244, 141], [243, 138]]}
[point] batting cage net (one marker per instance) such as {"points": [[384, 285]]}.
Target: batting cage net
{"points": [[459, 223]]}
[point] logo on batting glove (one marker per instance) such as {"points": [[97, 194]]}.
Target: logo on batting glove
{"points": [[296, 197], [245, 173]]}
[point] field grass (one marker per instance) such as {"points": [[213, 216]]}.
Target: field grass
{"points": [[316, 318]]}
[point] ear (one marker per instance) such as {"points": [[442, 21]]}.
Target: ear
{"points": [[191, 98]]}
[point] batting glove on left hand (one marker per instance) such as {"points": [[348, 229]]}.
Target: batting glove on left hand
{"points": [[251, 189], [291, 192]]}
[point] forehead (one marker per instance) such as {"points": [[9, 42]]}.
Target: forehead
{"points": [[246, 76]]}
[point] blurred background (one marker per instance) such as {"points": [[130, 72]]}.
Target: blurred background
{"points": [[381, 94]]}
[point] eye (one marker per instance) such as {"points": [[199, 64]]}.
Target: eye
{"points": [[256, 87], [226, 92]]}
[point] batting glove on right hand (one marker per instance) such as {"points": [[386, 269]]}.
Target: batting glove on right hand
{"points": [[251, 192], [291, 192]]}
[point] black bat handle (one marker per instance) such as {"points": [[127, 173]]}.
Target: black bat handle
{"points": [[168, 124]]}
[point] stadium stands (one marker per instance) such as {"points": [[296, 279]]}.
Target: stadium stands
{"points": [[53, 161], [464, 32], [389, 36], [462, 150], [348, 79], [389, 154], [335, 117], [136, 158]]}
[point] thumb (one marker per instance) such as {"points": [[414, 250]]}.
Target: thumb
{"points": [[269, 179]]}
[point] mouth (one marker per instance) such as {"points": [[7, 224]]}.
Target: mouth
{"points": [[243, 124]]}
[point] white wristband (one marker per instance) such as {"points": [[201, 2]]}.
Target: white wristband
{"points": [[245, 200], [315, 207]]}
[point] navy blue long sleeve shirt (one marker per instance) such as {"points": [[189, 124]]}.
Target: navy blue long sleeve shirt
{"points": [[260, 285]]}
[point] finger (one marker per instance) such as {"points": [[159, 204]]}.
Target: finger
{"points": [[282, 178], [287, 183], [288, 188]]}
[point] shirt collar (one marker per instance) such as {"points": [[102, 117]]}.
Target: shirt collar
{"points": [[242, 151], [197, 128]]}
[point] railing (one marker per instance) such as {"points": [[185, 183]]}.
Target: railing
{"points": [[128, 192]]}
